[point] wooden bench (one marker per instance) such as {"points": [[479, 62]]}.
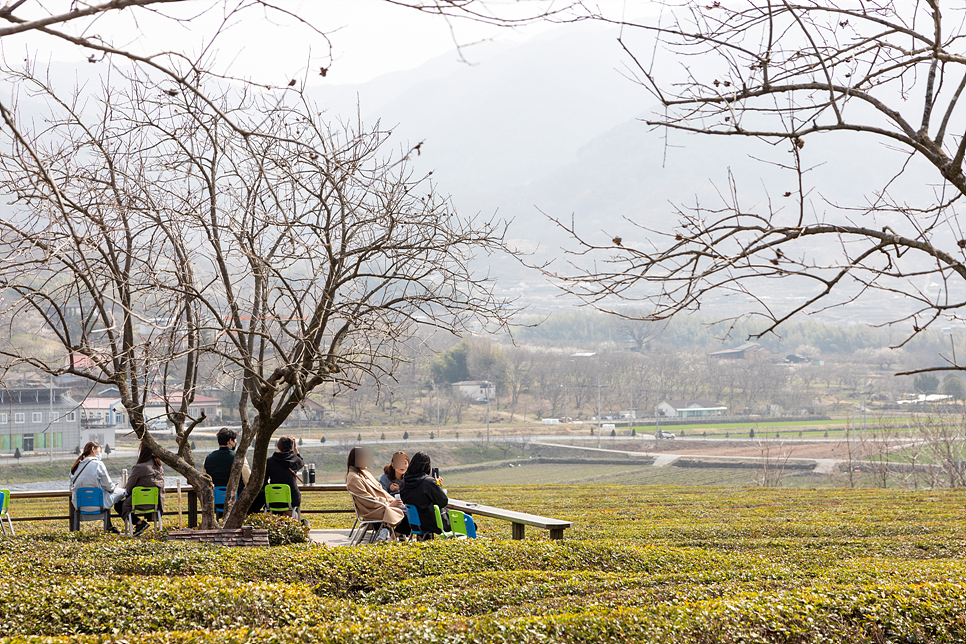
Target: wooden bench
{"points": [[518, 520]]}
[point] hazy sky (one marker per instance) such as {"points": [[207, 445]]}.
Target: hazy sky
{"points": [[368, 37]]}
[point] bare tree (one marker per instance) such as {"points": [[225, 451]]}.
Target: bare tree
{"points": [[457, 403], [943, 436], [288, 259], [550, 384], [774, 459], [518, 367], [785, 73]]}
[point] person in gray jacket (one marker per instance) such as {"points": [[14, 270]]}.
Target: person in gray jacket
{"points": [[89, 471]]}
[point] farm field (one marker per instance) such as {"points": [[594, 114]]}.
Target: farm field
{"points": [[642, 564]]}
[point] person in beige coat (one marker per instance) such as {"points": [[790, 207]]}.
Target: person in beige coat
{"points": [[371, 500], [148, 472]]}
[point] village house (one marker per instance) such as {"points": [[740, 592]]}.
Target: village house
{"points": [[38, 419]]}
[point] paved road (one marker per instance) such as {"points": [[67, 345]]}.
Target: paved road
{"points": [[337, 441], [822, 465]]}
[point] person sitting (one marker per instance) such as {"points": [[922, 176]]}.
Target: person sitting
{"points": [[364, 486], [392, 474], [218, 463], [89, 471], [423, 491], [282, 469], [147, 472]]}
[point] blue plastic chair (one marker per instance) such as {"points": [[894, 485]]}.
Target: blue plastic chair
{"points": [[221, 494], [412, 513], [89, 506], [470, 526]]}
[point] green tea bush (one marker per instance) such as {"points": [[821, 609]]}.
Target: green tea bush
{"points": [[282, 530], [666, 566], [134, 605]]}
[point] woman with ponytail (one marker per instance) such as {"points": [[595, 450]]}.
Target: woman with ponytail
{"points": [[89, 471]]}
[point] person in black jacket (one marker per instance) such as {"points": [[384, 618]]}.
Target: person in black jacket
{"points": [[424, 491], [283, 467], [218, 463]]}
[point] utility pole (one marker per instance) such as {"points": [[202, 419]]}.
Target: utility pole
{"points": [[598, 406], [567, 394], [486, 387], [436, 391], [591, 355], [50, 418]]}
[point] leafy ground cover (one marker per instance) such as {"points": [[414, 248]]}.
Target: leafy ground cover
{"points": [[642, 564]]}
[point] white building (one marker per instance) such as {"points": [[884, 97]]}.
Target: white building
{"points": [[697, 408], [100, 417], [475, 389]]}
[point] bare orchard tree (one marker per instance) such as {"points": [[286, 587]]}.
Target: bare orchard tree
{"points": [[91, 254], [790, 73], [325, 254], [293, 258]]}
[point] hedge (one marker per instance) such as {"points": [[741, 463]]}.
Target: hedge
{"points": [[922, 615], [726, 567], [134, 605]]}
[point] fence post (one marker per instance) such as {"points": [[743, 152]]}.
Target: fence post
{"points": [[192, 508]]}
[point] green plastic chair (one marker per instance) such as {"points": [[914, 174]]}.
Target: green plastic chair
{"points": [[457, 521], [145, 502], [444, 534], [278, 499], [5, 512]]}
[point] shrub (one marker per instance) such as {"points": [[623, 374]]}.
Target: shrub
{"points": [[661, 565], [282, 530], [59, 606]]}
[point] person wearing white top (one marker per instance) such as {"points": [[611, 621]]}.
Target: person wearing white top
{"points": [[89, 471]]}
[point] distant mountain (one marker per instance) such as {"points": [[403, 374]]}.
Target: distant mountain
{"points": [[551, 125], [516, 114]]}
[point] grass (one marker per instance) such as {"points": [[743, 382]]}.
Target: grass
{"points": [[642, 564]]}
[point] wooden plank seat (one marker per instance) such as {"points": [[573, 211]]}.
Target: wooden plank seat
{"points": [[518, 520]]}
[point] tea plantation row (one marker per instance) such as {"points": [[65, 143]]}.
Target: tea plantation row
{"points": [[641, 565]]}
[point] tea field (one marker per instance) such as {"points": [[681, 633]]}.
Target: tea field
{"points": [[642, 564]]}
